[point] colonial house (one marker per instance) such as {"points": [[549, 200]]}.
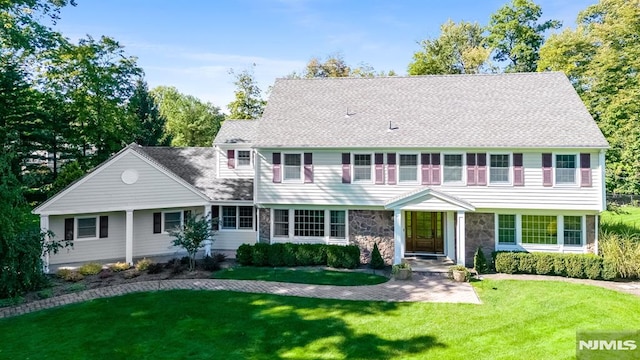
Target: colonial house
{"points": [[426, 165]]}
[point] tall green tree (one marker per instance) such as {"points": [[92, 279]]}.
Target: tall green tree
{"points": [[460, 49], [248, 103], [334, 65], [516, 35], [602, 59], [150, 124], [190, 122]]}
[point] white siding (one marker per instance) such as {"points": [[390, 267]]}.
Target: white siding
{"points": [[153, 189], [145, 242], [245, 172], [112, 247], [328, 188], [232, 239]]}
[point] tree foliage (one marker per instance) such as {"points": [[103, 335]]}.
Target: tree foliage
{"points": [[147, 115], [516, 35], [602, 59], [248, 103], [334, 65], [192, 236], [460, 49]]}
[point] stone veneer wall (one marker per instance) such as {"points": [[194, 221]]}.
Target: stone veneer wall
{"points": [[591, 233], [265, 225], [367, 227], [479, 232]]}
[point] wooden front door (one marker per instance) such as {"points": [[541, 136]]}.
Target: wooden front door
{"points": [[424, 232]]}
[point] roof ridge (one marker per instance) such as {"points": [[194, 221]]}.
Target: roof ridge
{"points": [[540, 73]]}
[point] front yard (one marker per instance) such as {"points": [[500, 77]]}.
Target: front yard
{"points": [[518, 319]]}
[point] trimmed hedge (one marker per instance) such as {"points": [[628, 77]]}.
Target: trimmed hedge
{"points": [[570, 265], [290, 254]]}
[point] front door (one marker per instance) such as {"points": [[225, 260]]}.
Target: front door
{"points": [[424, 232]]}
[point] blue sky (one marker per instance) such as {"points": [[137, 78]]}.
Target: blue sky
{"points": [[192, 44]]}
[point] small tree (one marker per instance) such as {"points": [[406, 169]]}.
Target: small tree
{"points": [[376, 259], [192, 236], [480, 262]]}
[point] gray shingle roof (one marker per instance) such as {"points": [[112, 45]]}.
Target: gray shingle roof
{"points": [[236, 132], [444, 111], [197, 166]]}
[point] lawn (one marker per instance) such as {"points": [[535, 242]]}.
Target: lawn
{"points": [[519, 319], [626, 219], [301, 276]]}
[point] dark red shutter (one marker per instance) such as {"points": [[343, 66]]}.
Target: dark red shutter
{"points": [[435, 169], [471, 169], [104, 226], [308, 167], [425, 161], [481, 170], [277, 174], [157, 223], [231, 159], [547, 170], [518, 170], [346, 168], [215, 217], [585, 170], [391, 168], [68, 228], [379, 168]]}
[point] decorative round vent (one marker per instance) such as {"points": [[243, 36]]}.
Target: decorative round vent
{"points": [[129, 176]]}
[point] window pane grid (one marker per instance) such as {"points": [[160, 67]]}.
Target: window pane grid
{"points": [[499, 170], [292, 166], [408, 167], [309, 223], [87, 228], [573, 230], [338, 228], [361, 167], [281, 223], [171, 220], [537, 229], [245, 217], [452, 171], [228, 217], [565, 169], [244, 158], [507, 229]]}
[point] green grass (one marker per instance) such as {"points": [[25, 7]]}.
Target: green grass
{"points": [[302, 276], [517, 320], [626, 220]]}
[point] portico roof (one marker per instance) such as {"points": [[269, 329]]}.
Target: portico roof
{"points": [[428, 199]]}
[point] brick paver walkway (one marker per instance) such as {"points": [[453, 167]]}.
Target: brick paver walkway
{"points": [[422, 288]]}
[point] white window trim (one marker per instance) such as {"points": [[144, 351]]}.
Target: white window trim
{"points": [[283, 167], [576, 182], [237, 159], [509, 171], [272, 224], [237, 228], [75, 230], [418, 172], [463, 181], [327, 239], [558, 247], [353, 169], [181, 211]]}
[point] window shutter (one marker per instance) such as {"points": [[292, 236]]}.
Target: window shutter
{"points": [[435, 169], [471, 169], [518, 170], [391, 168], [157, 223], [104, 226], [231, 159], [379, 168], [185, 215], [425, 160], [346, 168], [481, 170], [68, 228], [277, 174], [547, 170], [215, 217], [308, 167], [585, 170]]}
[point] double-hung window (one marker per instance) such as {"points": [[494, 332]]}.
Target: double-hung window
{"points": [[565, 169], [338, 224], [292, 167], [172, 220], [573, 230], [229, 217], [506, 229], [281, 223], [452, 171], [408, 171], [499, 169], [87, 227], [237, 217], [243, 158], [361, 167]]}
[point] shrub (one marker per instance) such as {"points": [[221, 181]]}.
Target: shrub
{"points": [[609, 270], [343, 256], [289, 254], [192, 236], [480, 262], [90, 269], [544, 263], [260, 254], [44, 294], [119, 266], [69, 275], [155, 268], [63, 273], [143, 264], [275, 255], [105, 273], [571, 265], [622, 253], [131, 273], [244, 255], [377, 262], [76, 287], [210, 263], [505, 262], [574, 265], [184, 260], [559, 266], [219, 257], [593, 266], [526, 263]]}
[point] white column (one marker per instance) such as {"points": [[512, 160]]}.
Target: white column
{"points": [[129, 237], [209, 240], [44, 226], [398, 241], [460, 259], [450, 242], [597, 230]]}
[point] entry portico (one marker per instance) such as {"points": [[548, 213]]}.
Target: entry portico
{"points": [[429, 222]]}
